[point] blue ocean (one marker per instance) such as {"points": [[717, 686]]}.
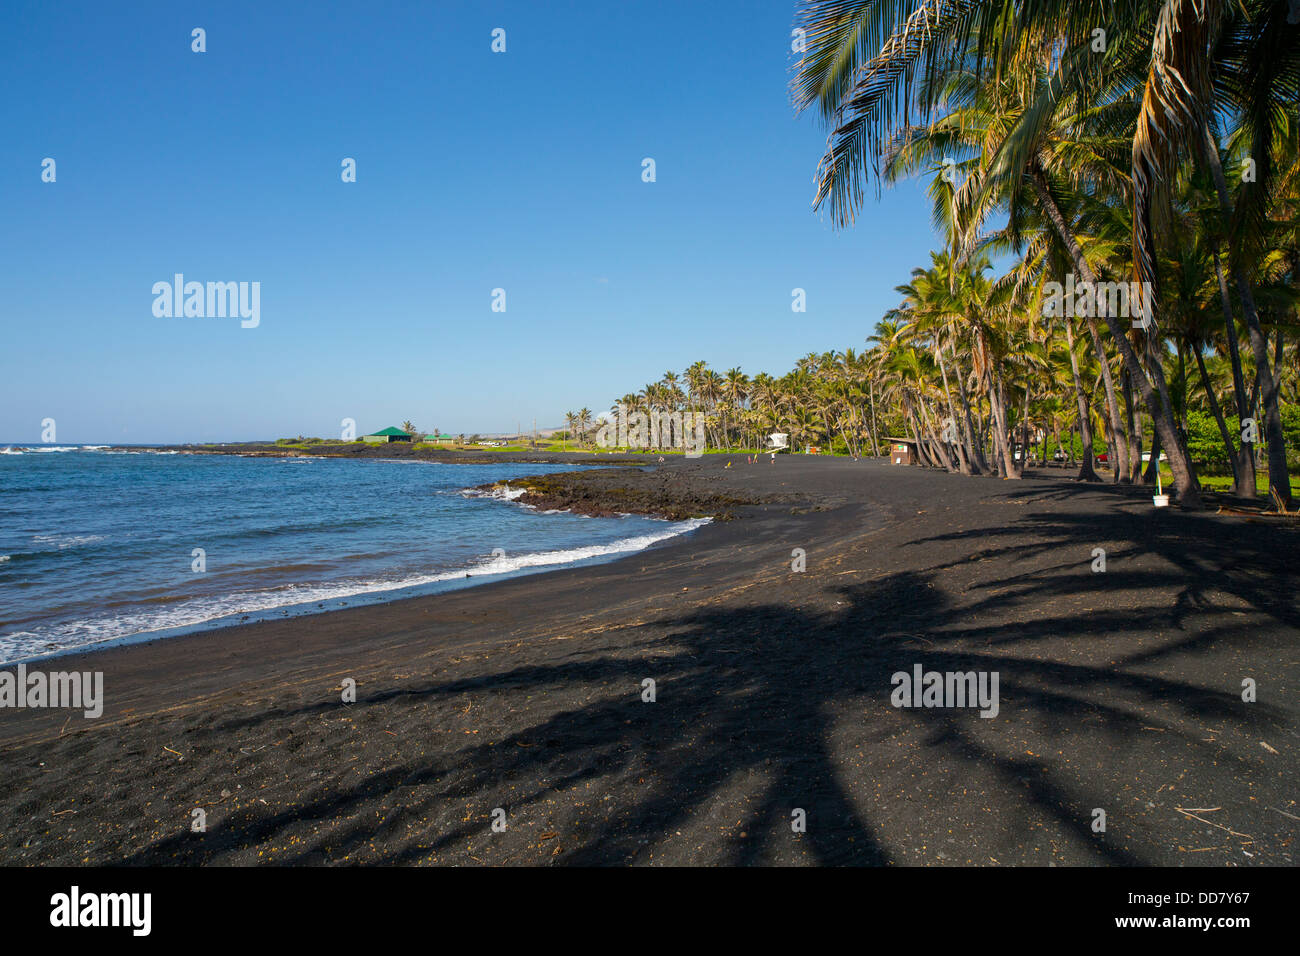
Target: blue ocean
{"points": [[102, 546]]}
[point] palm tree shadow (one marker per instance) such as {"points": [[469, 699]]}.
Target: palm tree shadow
{"points": [[750, 710]]}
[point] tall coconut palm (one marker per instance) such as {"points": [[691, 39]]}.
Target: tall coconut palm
{"points": [[570, 424], [871, 67], [735, 388], [583, 423]]}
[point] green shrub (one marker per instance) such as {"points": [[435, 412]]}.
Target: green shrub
{"points": [[1205, 443], [1291, 435]]}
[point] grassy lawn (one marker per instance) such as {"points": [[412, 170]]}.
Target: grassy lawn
{"points": [[1224, 482]]}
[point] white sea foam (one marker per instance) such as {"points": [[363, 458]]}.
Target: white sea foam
{"points": [[19, 449], [500, 492], [504, 565], [65, 541], [303, 598]]}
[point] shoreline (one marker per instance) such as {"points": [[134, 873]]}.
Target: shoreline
{"points": [[772, 691], [546, 492], [454, 581]]}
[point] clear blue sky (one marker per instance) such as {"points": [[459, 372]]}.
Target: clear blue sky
{"points": [[475, 171]]}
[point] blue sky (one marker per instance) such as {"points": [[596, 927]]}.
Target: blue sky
{"points": [[475, 171]]}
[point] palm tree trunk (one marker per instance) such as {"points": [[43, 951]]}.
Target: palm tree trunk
{"points": [[979, 465], [940, 450], [1234, 460], [1114, 437], [1149, 476], [1185, 486], [1243, 459], [985, 440], [1120, 451], [1024, 433], [963, 464], [871, 391], [1132, 438], [921, 454], [1279, 482], [1086, 471], [998, 412]]}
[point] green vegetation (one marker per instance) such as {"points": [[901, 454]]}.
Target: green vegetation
{"points": [[1141, 185], [302, 442], [1162, 151]]}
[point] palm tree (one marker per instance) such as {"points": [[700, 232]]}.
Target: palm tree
{"points": [[871, 67], [734, 390], [1240, 61], [1025, 143], [1042, 149], [583, 423], [570, 423]]}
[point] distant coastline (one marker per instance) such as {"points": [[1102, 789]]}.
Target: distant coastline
{"points": [[396, 450]]}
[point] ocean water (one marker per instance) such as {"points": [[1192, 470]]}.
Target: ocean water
{"points": [[98, 547]]}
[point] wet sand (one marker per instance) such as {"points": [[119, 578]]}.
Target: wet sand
{"points": [[1119, 691]]}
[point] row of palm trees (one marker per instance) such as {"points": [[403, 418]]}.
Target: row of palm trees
{"points": [[823, 401], [827, 400], [954, 361], [578, 425], [1075, 143], [1089, 141]]}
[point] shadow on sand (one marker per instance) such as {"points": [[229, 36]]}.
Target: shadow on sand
{"points": [[780, 707]]}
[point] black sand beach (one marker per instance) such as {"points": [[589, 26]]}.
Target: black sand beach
{"points": [[1119, 691]]}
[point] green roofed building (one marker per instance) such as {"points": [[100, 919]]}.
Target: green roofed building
{"points": [[385, 435], [438, 439]]}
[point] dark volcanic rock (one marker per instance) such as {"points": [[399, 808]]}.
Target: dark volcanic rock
{"points": [[613, 491]]}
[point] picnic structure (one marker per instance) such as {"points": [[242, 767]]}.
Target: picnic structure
{"points": [[387, 435]]}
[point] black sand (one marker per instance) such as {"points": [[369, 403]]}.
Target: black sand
{"points": [[1119, 691]]}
